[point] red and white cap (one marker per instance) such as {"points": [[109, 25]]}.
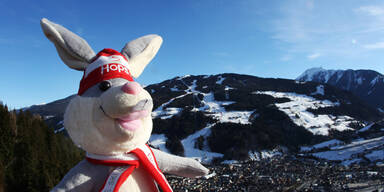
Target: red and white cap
{"points": [[107, 64]]}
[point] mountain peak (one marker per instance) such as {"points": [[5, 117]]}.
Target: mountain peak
{"points": [[366, 84], [317, 72]]}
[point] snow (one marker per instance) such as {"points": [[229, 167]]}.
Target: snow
{"points": [[264, 154], [367, 143], [270, 154], [366, 128], [166, 113], [300, 82], [48, 117], [309, 73], [328, 74], [319, 90], [228, 88], [329, 143], [339, 74], [209, 176], [182, 77], [374, 81], [347, 152], [59, 130], [40, 104], [217, 111], [210, 105], [229, 162], [297, 107], [254, 156], [192, 88], [241, 117], [320, 73], [324, 75], [335, 155], [206, 76], [158, 140], [375, 155], [220, 80], [305, 148], [174, 88], [202, 155], [360, 80], [372, 173]]}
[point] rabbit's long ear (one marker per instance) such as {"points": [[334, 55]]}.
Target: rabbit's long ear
{"points": [[140, 52], [72, 49]]}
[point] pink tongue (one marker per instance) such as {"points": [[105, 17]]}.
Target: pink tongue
{"points": [[132, 121], [130, 125]]}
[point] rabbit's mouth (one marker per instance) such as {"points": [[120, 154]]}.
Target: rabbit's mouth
{"points": [[133, 120]]}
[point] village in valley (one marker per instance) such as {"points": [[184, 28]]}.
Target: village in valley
{"points": [[285, 173]]}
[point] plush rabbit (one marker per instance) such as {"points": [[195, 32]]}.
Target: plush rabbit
{"points": [[110, 118]]}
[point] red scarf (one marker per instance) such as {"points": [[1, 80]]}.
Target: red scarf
{"points": [[141, 156]]}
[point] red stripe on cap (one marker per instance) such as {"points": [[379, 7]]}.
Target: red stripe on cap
{"points": [[96, 76], [105, 72]]}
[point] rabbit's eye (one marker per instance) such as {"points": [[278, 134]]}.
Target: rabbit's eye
{"points": [[105, 85]]}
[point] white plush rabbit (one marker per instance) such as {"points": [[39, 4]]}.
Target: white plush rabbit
{"points": [[110, 118]]}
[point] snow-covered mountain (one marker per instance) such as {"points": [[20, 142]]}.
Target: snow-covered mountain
{"points": [[238, 117], [233, 116], [366, 84]]}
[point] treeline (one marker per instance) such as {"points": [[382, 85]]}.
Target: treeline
{"points": [[32, 156]]}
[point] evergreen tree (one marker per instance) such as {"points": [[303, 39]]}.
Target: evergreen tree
{"points": [[32, 156]]}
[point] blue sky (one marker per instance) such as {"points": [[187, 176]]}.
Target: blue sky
{"points": [[279, 39]]}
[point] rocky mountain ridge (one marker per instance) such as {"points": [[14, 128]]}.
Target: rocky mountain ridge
{"points": [[366, 84]]}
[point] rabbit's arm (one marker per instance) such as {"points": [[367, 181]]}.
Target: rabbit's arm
{"points": [[181, 166], [83, 177]]}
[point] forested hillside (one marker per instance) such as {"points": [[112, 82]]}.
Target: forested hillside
{"points": [[32, 157]]}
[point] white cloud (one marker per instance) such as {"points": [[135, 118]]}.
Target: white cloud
{"points": [[378, 45], [372, 10], [313, 56], [328, 28], [372, 19]]}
